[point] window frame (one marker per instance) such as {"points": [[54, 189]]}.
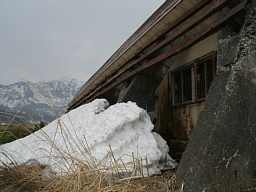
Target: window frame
{"points": [[212, 57], [181, 70]]}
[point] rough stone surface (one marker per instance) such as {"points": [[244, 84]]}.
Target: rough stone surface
{"points": [[221, 155], [226, 52], [222, 149], [228, 39]]}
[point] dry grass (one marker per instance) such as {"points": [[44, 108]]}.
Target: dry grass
{"points": [[21, 178], [30, 178]]}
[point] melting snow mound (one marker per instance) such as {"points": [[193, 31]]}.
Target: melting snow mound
{"points": [[95, 133]]}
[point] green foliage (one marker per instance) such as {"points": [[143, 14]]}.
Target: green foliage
{"points": [[6, 137], [11, 132]]}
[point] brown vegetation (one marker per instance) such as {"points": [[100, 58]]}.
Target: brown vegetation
{"points": [[31, 178]]}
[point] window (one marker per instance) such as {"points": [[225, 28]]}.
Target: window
{"points": [[182, 85], [177, 87], [205, 72], [211, 72], [200, 81], [191, 83], [187, 84]]}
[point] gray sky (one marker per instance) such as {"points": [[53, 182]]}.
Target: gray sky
{"points": [[52, 39]]}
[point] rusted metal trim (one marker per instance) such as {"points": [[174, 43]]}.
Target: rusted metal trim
{"points": [[189, 103]]}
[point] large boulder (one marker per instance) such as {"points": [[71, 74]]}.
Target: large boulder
{"points": [[221, 155]]}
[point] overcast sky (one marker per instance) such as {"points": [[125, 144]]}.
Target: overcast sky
{"points": [[53, 39]]}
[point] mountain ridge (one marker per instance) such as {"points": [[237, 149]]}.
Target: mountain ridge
{"points": [[38, 101]]}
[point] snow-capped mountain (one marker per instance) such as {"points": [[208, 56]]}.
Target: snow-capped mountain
{"points": [[41, 101]]}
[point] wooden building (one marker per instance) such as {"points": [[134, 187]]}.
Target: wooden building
{"points": [[168, 64]]}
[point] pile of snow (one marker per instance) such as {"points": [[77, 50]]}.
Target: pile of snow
{"points": [[94, 132]]}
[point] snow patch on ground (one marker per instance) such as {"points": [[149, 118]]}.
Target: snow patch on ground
{"points": [[95, 132]]}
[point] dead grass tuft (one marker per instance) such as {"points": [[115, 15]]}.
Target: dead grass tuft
{"points": [[30, 178], [21, 178]]}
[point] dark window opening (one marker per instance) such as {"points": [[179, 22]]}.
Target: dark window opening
{"points": [[177, 88], [187, 85], [192, 83], [205, 73], [200, 81], [182, 86], [211, 70]]}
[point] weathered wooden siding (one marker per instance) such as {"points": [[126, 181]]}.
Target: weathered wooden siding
{"points": [[163, 108], [175, 122], [198, 50], [185, 119]]}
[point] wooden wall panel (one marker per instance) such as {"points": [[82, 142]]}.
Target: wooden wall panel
{"points": [[163, 108]]}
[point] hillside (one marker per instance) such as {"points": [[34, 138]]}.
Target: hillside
{"points": [[41, 101]]}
